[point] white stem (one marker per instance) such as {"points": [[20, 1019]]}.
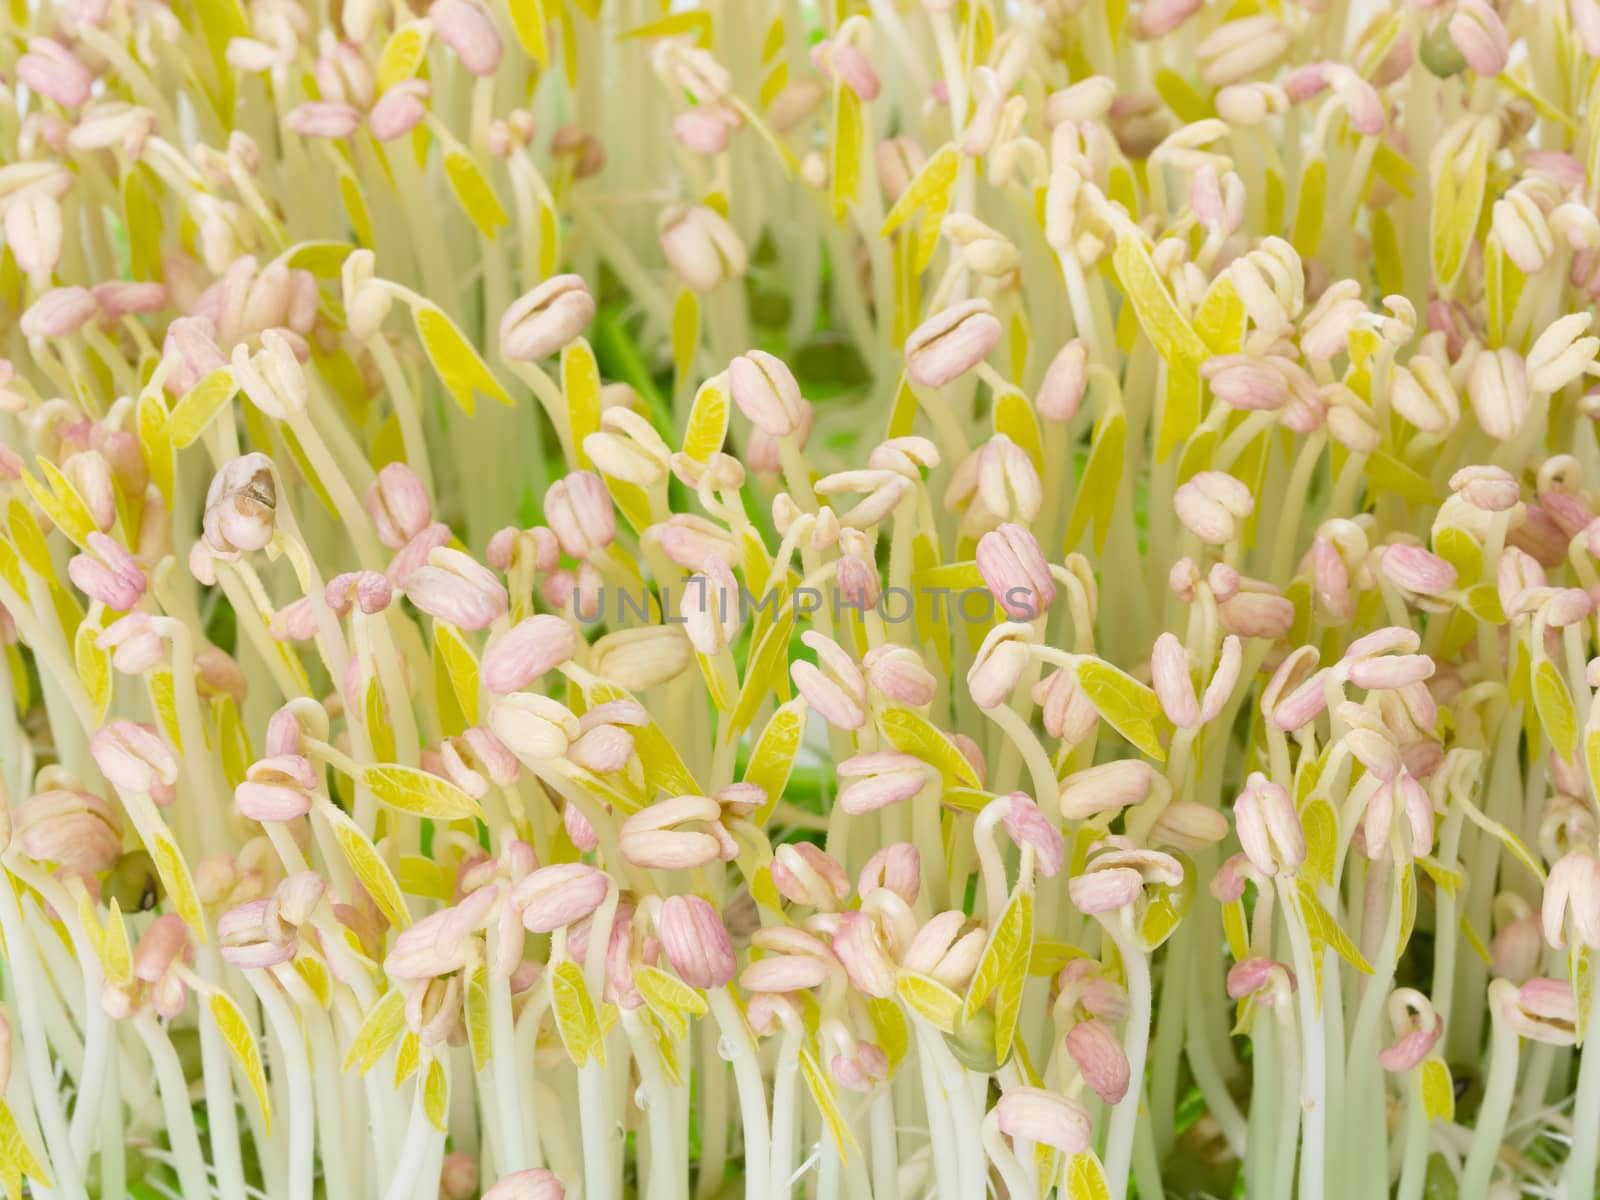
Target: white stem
{"points": [[1498, 1092], [1136, 1045], [175, 1106], [752, 1091], [301, 1107], [28, 990]]}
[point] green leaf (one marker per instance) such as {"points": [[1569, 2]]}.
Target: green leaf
{"points": [[155, 439], [407, 1059], [323, 259], [174, 872], [1221, 320], [1235, 930], [766, 676], [1180, 412], [1389, 474], [708, 421], [1325, 931], [663, 766], [16, 1156], [1167, 906], [1014, 417]]}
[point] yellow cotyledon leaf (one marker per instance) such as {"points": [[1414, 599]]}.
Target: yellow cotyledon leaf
{"points": [[1555, 707], [528, 19], [479, 1024], [1438, 1091], [1007, 952], [930, 189], [1458, 195], [16, 1155], [382, 1026], [461, 667], [155, 440], [1167, 328], [420, 793], [708, 421], [1101, 482], [772, 759], [464, 373], [118, 954], [369, 867], [235, 1031], [910, 732], [848, 137], [580, 382], [474, 192], [576, 1020], [930, 1000], [174, 872], [1127, 705], [94, 667], [436, 1095], [200, 406], [670, 999], [1086, 1178], [59, 501], [404, 51], [827, 1102]]}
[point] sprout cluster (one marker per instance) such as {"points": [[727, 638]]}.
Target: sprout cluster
{"points": [[799, 598]]}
